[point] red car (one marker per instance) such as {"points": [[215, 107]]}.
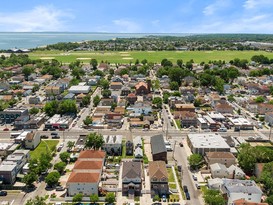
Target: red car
{"points": [[6, 129]]}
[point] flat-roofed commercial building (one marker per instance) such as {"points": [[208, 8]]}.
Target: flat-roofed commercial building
{"points": [[200, 143], [241, 123], [10, 114]]}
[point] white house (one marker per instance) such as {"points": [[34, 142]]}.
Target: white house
{"points": [[112, 144], [221, 171], [83, 182], [78, 89], [241, 189], [138, 152], [32, 140]]}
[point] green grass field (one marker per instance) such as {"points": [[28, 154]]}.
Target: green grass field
{"points": [[42, 148], [151, 56]]}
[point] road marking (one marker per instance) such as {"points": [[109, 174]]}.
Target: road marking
{"points": [[12, 202]]}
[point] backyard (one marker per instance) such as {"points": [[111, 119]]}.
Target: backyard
{"points": [[43, 147]]}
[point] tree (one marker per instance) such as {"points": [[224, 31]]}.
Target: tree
{"points": [[110, 197], [77, 72], [156, 198], [96, 100], [214, 197], [247, 157], [197, 102], [166, 63], [77, 198], [52, 178], [94, 141], [219, 85], [195, 161], [174, 85], [269, 200], [179, 62], [29, 178], [94, 63], [157, 101], [106, 93], [144, 61], [86, 100], [60, 166], [88, 120], [94, 198], [36, 201], [44, 161], [64, 156], [34, 111], [51, 108], [67, 107], [104, 83], [70, 145], [259, 99], [27, 70]]}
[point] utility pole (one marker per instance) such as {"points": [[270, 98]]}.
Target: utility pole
{"points": [[167, 130]]}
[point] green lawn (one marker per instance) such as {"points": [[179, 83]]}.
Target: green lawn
{"points": [[170, 175], [178, 123], [42, 148], [152, 56], [172, 185]]}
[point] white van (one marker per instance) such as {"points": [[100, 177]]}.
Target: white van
{"points": [[222, 129]]}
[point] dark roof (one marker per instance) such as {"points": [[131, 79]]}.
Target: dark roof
{"points": [[131, 170], [158, 144]]}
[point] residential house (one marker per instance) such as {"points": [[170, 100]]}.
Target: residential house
{"points": [[188, 119], [140, 108], [116, 85], [236, 189], [245, 202], [142, 88], [32, 140], [224, 108], [106, 101], [184, 107], [125, 91], [103, 67], [137, 141], [69, 96], [263, 108], [158, 178], [117, 79], [129, 148], [173, 100], [53, 90], [225, 158], [34, 100], [221, 171], [138, 153], [112, 144], [159, 151], [86, 183], [131, 178], [86, 174], [131, 98]]}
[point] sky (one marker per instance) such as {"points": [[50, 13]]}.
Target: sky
{"points": [[138, 16]]}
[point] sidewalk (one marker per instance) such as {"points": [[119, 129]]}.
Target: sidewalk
{"points": [[178, 187]]}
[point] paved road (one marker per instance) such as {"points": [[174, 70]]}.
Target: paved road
{"points": [[181, 156]]}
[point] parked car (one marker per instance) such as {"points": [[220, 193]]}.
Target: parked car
{"points": [[44, 137], [188, 197], [181, 144], [3, 193], [6, 129], [179, 168], [197, 186], [114, 129], [185, 188], [60, 188], [194, 177]]}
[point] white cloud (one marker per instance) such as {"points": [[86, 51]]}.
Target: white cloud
{"points": [[216, 6], [126, 26], [253, 4], [40, 18]]}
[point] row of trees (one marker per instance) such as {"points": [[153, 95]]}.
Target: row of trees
{"points": [[62, 107]]}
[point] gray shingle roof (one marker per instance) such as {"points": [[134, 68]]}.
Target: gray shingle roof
{"points": [[158, 144], [131, 170]]}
